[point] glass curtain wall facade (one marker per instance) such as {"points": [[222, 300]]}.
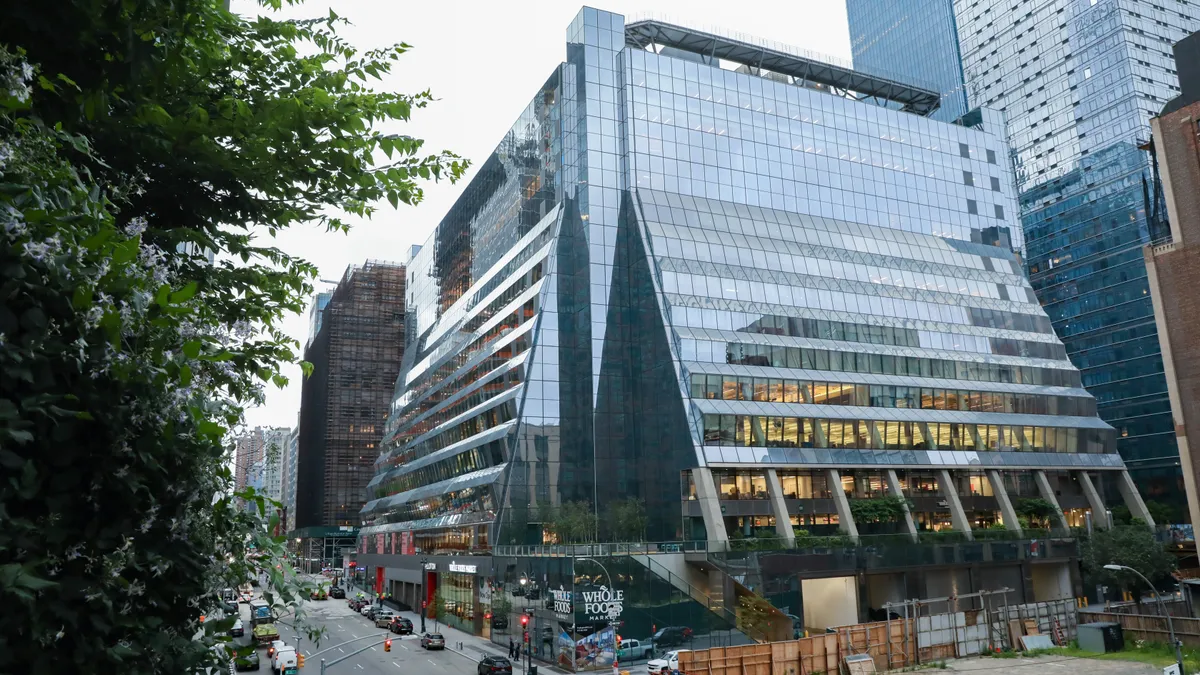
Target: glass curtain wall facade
{"points": [[673, 263], [919, 35], [1078, 81]]}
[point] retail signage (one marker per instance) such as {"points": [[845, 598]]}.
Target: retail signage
{"points": [[406, 543], [431, 566], [464, 569], [605, 603], [562, 601]]}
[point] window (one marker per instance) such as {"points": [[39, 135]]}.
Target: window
{"points": [[991, 156], [995, 184], [972, 207], [968, 178], [1000, 212], [964, 150]]}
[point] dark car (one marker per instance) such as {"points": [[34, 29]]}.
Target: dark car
{"points": [[671, 636], [230, 607], [337, 592], [247, 662], [400, 626], [494, 665]]}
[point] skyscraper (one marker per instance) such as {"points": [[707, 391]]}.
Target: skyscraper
{"points": [[735, 289], [355, 355], [922, 36], [1077, 81]]}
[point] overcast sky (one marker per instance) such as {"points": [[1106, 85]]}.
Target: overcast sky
{"points": [[484, 60]]}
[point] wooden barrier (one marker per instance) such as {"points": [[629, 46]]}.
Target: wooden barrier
{"points": [[809, 656], [1150, 627]]}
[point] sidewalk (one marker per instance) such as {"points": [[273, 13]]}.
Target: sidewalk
{"points": [[470, 646]]}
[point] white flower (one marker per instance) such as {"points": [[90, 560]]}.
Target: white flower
{"points": [[135, 226]]}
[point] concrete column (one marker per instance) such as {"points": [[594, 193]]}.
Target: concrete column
{"points": [[783, 523], [710, 506], [1133, 499], [1047, 492], [845, 518], [893, 483], [957, 515], [1001, 494], [1099, 513]]}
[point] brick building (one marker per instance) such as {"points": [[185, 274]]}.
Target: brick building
{"points": [[1173, 260]]}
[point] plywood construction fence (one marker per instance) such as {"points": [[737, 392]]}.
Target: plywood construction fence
{"points": [[884, 641], [893, 644]]}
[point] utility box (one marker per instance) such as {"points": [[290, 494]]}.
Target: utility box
{"points": [[1101, 637]]}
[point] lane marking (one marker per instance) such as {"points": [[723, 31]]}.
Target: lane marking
{"points": [[431, 661], [396, 664], [359, 666], [341, 650]]}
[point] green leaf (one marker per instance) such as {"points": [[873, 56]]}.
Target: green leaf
{"points": [[191, 349], [184, 294], [185, 375]]}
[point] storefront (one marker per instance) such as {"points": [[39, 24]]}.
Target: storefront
{"points": [[464, 598]]}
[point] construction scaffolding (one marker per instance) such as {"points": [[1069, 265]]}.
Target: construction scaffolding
{"points": [[356, 356]]}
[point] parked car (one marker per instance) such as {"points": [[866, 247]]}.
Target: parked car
{"points": [[494, 665], [632, 650], [238, 630], [247, 662], [369, 611], [433, 641], [383, 616], [400, 626], [669, 662], [671, 636], [337, 592]]}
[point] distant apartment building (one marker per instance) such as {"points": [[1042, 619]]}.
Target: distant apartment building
{"points": [[1173, 263], [257, 460], [289, 476], [355, 352]]}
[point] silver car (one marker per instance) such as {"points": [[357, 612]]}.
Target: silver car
{"points": [[433, 641], [383, 617]]}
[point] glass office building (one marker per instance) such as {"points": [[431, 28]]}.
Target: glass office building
{"points": [[741, 285], [1078, 81], [913, 39]]}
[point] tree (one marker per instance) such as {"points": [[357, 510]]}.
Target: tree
{"points": [[571, 522], [627, 519], [1036, 510], [135, 138], [755, 616], [1130, 545], [885, 509]]}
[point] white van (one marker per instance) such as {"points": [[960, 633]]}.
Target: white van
{"points": [[285, 658]]}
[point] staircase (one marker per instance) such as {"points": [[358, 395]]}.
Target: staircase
{"points": [[723, 595]]}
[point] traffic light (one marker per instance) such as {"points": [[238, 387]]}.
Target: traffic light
{"points": [[524, 620], [300, 660], [387, 645], [618, 642]]}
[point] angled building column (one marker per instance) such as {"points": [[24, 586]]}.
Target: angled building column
{"points": [[1133, 499], [1001, 494], [1047, 492], [1099, 513], [957, 515], [710, 506], [893, 483], [783, 521], [845, 518]]}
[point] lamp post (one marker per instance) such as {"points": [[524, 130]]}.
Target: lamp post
{"points": [[424, 597], [1157, 596]]}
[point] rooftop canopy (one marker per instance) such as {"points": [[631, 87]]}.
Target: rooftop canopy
{"points": [[807, 71]]}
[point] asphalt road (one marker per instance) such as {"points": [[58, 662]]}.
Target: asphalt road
{"points": [[343, 625]]}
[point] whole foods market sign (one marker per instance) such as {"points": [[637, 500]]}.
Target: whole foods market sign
{"points": [[562, 601], [606, 603]]}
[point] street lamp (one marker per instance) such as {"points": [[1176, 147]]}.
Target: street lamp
{"points": [[1158, 596]]}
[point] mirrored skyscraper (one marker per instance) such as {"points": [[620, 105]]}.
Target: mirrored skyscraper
{"points": [[1077, 81]]}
